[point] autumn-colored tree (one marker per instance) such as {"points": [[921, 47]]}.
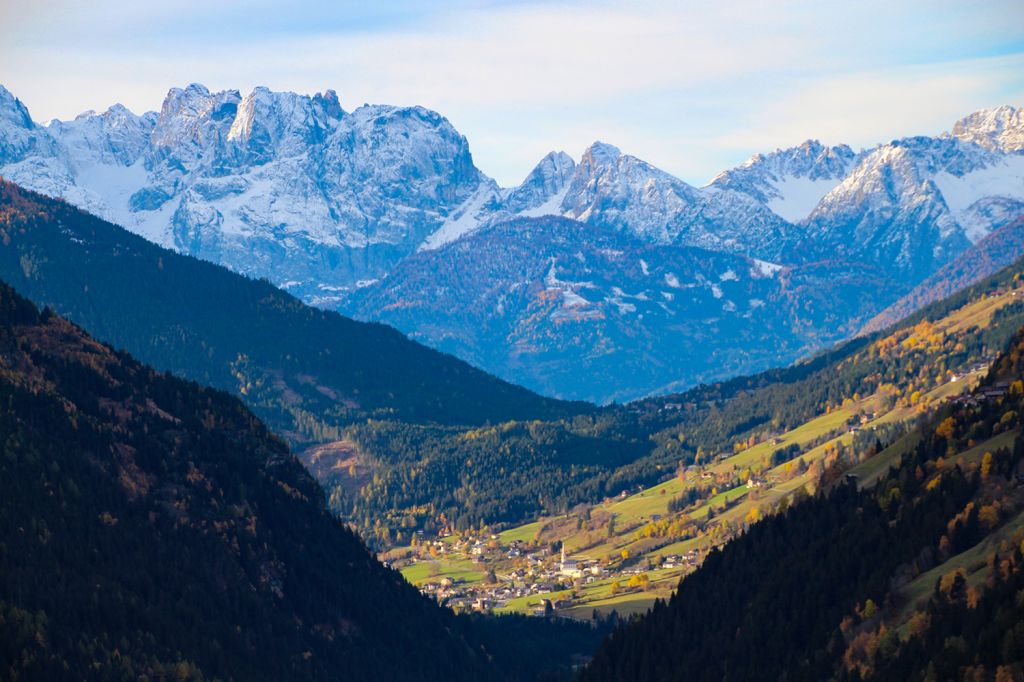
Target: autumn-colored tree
{"points": [[946, 429], [986, 464], [988, 516], [641, 581], [1004, 673]]}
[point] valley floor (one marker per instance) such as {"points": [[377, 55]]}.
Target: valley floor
{"points": [[623, 553]]}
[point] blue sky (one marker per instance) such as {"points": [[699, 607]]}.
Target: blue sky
{"points": [[693, 87]]}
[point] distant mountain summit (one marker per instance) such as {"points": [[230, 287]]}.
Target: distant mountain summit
{"points": [[915, 204], [596, 313], [668, 285], [790, 182], [911, 205], [998, 129], [326, 202], [278, 185], [544, 189], [610, 189]]}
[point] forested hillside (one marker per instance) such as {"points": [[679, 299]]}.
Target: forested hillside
{"points": [[408, 439], [995, 251], [306, 371], [819, 420], [154, 529], [589, 311], [394, 478], [914, 578]]}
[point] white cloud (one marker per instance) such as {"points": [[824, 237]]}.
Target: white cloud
{"points": [[864, 108]]}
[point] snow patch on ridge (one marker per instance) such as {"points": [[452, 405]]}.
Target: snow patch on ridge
{"points": [[763, 267], [570, 299], [798, 196], [463, 220], [552, 206], [1003, 179]]}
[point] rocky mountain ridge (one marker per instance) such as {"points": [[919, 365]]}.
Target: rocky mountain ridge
{"points": [[277, 185], [323, 201], [594, 313], [344, 208]]}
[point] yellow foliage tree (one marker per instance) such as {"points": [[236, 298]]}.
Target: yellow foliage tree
{"points": [[986, 465], [642, 581]]}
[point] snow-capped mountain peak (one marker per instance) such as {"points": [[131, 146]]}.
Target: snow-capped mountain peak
{"points": [[19, 136], [600, 154], [115, 136], [611, 189], [294, 187], [623, 192], [272, 184], [269, 124], [13, 111], [192, 123], [915, 203], [810, 159], [1001, 128], [542, 191], [790, 181]]}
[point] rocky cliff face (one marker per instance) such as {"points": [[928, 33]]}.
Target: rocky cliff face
{"points": [[326, 203], [792, 181], [276, 185], [915, 204], [998, 129]]}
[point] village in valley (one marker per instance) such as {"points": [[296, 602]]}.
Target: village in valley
{"points": [[616, 557], [494, 573]]}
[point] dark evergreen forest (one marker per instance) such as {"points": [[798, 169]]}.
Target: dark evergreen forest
{"points": [[154, 529]]}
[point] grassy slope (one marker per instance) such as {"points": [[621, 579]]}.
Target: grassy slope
{"points": [[635, 510], [973, 561]]}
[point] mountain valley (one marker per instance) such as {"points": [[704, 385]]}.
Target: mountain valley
{"points": [[634, 546], [764, 428], [155, 529], [371, 211], [511, 341]]}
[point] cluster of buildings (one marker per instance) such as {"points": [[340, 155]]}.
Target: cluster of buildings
{"points": [[983, 394], [688, 560], [519, 570]]}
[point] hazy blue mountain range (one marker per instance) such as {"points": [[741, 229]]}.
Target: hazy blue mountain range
{"points": [[347, 209], [574, 309], [305, 371]]}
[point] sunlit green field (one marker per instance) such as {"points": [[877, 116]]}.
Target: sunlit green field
{"points": [[588, 537], [456, 569]]}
